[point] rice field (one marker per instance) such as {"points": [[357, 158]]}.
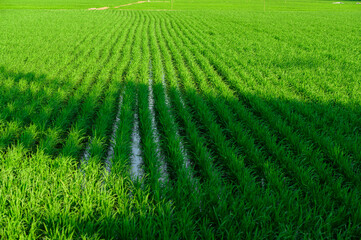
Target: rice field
{"points": [[183, 124]]}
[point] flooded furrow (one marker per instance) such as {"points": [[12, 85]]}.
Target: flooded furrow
{"points": [[110, 154], [136, 170], [167, 102], [163, 166], [186, 159], [85, 158]]}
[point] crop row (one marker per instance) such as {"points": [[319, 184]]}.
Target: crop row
{"points": [[162, 124]]}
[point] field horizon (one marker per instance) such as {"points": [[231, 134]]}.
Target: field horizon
{"points": [[245, 5]]}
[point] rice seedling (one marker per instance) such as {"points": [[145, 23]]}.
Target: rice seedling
{"points": [[225, 121]]}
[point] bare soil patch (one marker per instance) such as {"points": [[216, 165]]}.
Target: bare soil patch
{"points": [[139, 2], [102, 8], [129, 4]]}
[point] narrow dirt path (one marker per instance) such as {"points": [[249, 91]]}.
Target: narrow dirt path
{"points": [[128, 4], [139, 2], [102, 8]]}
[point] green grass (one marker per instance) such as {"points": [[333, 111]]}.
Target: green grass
{"points": [[249, 120], [59, 4], [245, 5]]}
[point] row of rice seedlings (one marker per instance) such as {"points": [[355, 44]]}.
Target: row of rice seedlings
{"points": [[314, 40], [73, 145], [66, 76], [34, 116], [8, 132], [270, 170], [58, 103], [185, 72], [184, 188], [228, 74], [46, 53], [300, 42], [218, 206], [22, 91], [240, 134], [325, 140], [340, 149], [219, 209], [337, 147], [227, 93], [311, 130], [57, 205], [55, 133], [326, 89], [122, 157], [163, 168], [160, 224], [330, 140], [22, 115], [8, 89], [150, 148], [333, 120], [126, 159], [44, 84], [122, 144], [206, 162], [349, 175], [82, 51], [72, 140], [218, 87], [133, 217], [106, 123], [110, 153], [233, 163], [29, 133], [127, 142], [163, 106], [108, 110], [15, 112]]}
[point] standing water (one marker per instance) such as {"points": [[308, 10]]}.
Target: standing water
{"points": [[108, 163], [163, 167], [136, 170]]}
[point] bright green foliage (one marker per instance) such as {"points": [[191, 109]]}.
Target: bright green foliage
{"points": [[245, 5], [249, 122], [60, 4]]}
